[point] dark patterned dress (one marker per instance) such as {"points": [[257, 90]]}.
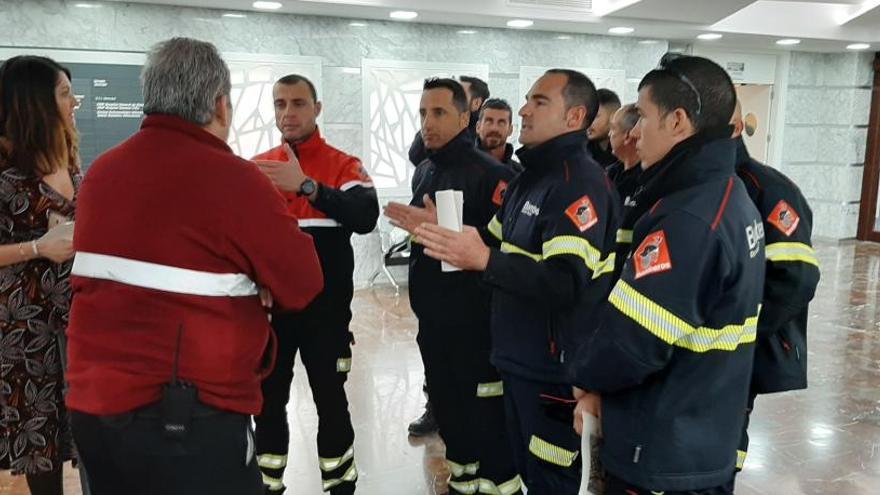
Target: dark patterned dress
{"points": [[34, 307]]}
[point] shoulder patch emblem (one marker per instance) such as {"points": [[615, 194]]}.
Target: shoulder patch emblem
{"points": [[652, 255], [784, 218], [498, 195], [582, 213]]}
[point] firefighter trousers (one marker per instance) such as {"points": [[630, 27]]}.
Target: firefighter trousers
{"points": [[467, 397], [546, 448], [324, 346]]}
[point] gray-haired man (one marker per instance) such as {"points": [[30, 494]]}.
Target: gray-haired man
{"points": [[168, 339]]}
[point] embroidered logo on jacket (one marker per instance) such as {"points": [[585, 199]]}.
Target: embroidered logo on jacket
{"points": [[530, 210], [498, 195], [652, 255], [784, 218], [582, 213]]}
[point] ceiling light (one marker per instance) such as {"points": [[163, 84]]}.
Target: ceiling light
{"points": [[710, 36], [351, 70], [520, 23], [466, 31], [648, 42], [788, 42], [87, 6], [234, 16], [357, 24], [403, 15], [858, 46], [563, 37], [621, 30], [267, 5]]}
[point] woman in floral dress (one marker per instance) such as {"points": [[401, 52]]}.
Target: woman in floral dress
{"points": [[39, 175]]}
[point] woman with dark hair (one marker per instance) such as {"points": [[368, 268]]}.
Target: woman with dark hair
{"points": [[39, 177]]}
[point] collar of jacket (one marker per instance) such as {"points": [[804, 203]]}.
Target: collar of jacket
{"points": [[312, 143], [555, 150], [472, 122], [696, 160], [451, 153], [175, 123], [508, 153], [742, 154]]}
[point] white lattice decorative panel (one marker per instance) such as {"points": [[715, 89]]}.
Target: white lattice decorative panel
{"points": [[613, 79], [253, 114], [391, 94]]}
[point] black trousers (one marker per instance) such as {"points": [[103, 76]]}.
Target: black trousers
{"points": [[616, 486], [324, 344], [129, 454], [467, 397], [545, 446], [743, 450]]}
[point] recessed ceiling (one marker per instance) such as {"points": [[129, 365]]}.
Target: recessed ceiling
{"points": [[822, 25]]}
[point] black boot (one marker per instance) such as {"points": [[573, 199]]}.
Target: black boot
{"points": [[426, 424]]}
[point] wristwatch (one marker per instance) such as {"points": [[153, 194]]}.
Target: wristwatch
{"points": [[307, 188]]}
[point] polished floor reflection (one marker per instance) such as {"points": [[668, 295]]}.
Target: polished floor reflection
{"points": [[825, 440]]}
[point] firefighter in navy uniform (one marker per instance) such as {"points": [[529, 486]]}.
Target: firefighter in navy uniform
{"points": [[599, 131], [625, 174], [550, 272], [333, 197], [790, 282], [494, 129], [453, 307], [672, 357]]}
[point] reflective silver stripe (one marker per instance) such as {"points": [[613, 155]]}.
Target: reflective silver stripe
{"points": [[671, 329], [509, 248], [272, 461], [162, 277], [459, 470], [553, 454], [343, 365], [495, 228], [329, 464], [492, 389], [624, 236], [467, 487], [318, 222], [790, 251], [350, 475], [273, 484], [577, 246], [355, 183], [509, 487]]}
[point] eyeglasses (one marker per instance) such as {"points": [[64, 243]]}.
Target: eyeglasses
{"points": [[687, 82]]}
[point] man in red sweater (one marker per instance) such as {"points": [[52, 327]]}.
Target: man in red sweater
{"points": [[168, 339]]}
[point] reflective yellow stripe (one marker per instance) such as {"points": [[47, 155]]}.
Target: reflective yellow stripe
{"points": [[624, 236], [351, 475], [492, 389], [740, 458], [331, 463], [548, 452], [271, 461], [495, 227], [507, 488], [343, 365], [468, 487], [507, 247], [273, 484], [791, 251], [459, 470], [580, 247], [675, 331]]}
